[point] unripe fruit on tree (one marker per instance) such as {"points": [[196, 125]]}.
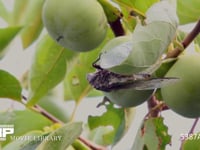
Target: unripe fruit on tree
{"points": [[128, 97], [183, 96], [79, 25]]}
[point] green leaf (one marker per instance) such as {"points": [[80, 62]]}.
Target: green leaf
{"points": [[112, 12], [143, 5], [149, 42], [164, 67], [56, 107], [6, 36], [188, 11], [24, 121], [4, 13], [132, 8], [121, 120], [192, 141], [47, 70], [9, 86], [28, 15], [69, 133], [95, 93], [28, 141], [76, 85], [140, 5], [153, 134], [19, 10]]}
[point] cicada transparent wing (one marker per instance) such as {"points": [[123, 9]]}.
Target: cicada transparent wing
{"points": [[152, 83]]}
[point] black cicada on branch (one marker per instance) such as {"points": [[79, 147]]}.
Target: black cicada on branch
{"points": [[107, 81]]}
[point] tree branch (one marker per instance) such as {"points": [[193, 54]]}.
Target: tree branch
{"points": [[173, 54], [91, 145], [117, 27], [188, 39], [114, 16]]}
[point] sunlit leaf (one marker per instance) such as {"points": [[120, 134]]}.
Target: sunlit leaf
{"points": [[9, 86], [28, 141], [149, 41], [6, 36], [114, 123], [192, 141], [188, 11], [133, 8], [24, 121], [140, 5], [152, 135], [143, 5], [28, 15], [47, 70], [68, 133]]}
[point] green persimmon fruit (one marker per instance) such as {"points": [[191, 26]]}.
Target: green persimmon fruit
{"points": [[183, 97], [128, 97], [79, 25]]}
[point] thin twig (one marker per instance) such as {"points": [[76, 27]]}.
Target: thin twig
{"points": [[155, 107], [91, 145], [46, 114], [42, 111]]}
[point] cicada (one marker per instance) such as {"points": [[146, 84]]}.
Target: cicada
{"points": [[107, 81]]}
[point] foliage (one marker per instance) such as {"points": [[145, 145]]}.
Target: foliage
{"points": [[143, 37]]}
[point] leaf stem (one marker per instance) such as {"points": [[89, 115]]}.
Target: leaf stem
{"points": [[114, 16], [188, 39]]}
